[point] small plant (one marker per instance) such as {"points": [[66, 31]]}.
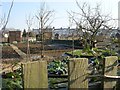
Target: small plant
{"points": [[12, 80], [57, 67]]}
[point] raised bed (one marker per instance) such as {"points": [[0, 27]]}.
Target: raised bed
{"points": [[36, 48], [8, 52]]}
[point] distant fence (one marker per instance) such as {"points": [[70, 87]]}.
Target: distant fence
{"points": [[35, 74]]}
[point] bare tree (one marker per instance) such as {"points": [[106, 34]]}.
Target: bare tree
{"points": [[3, 20], [90, 21], [29, 22], [44, 18]]}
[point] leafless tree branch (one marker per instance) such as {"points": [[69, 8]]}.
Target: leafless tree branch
{"points": [[8, 16], [29, 22], [90, 21], [44, 18]]}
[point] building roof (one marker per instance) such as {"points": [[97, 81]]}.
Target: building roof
{"points": [[37, 31]]}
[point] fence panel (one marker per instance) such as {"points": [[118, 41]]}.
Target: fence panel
{"points": [[110, 69], [35, 74], [78, 71]]}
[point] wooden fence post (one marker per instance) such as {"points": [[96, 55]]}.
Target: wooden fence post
{"points": [[35, 75], [110, 69], [77, 73]]}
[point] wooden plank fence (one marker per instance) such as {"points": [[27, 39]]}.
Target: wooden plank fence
{"points": [[78, 71], [35, 73], [110, 70]]}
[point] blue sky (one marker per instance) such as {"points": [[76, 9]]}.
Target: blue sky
{"points": [[22, 8]]}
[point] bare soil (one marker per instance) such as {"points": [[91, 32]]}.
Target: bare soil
{"points": [[8, 52], [9, 56], [48, 50], [35, 49]]}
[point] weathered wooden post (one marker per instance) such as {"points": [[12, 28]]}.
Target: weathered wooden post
{"points": [[110, 70], [35, 75], [77, 73]]}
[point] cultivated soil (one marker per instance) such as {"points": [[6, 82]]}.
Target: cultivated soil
{"points": [[52, 51], [8, 52], [9, 56], [35, 49]]}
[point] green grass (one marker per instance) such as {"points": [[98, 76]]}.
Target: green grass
{"points": [[80, 53], [93, 52]]}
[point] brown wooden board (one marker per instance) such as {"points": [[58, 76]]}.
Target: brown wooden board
{"points": [[35, 74], [78, 72], [110, 70]]}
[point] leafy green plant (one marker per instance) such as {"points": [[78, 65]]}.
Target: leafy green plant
{"points": [[57, 67], [11, 84], [12, 80]]}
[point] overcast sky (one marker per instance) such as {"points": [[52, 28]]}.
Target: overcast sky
{"points": [[22, 8]]}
